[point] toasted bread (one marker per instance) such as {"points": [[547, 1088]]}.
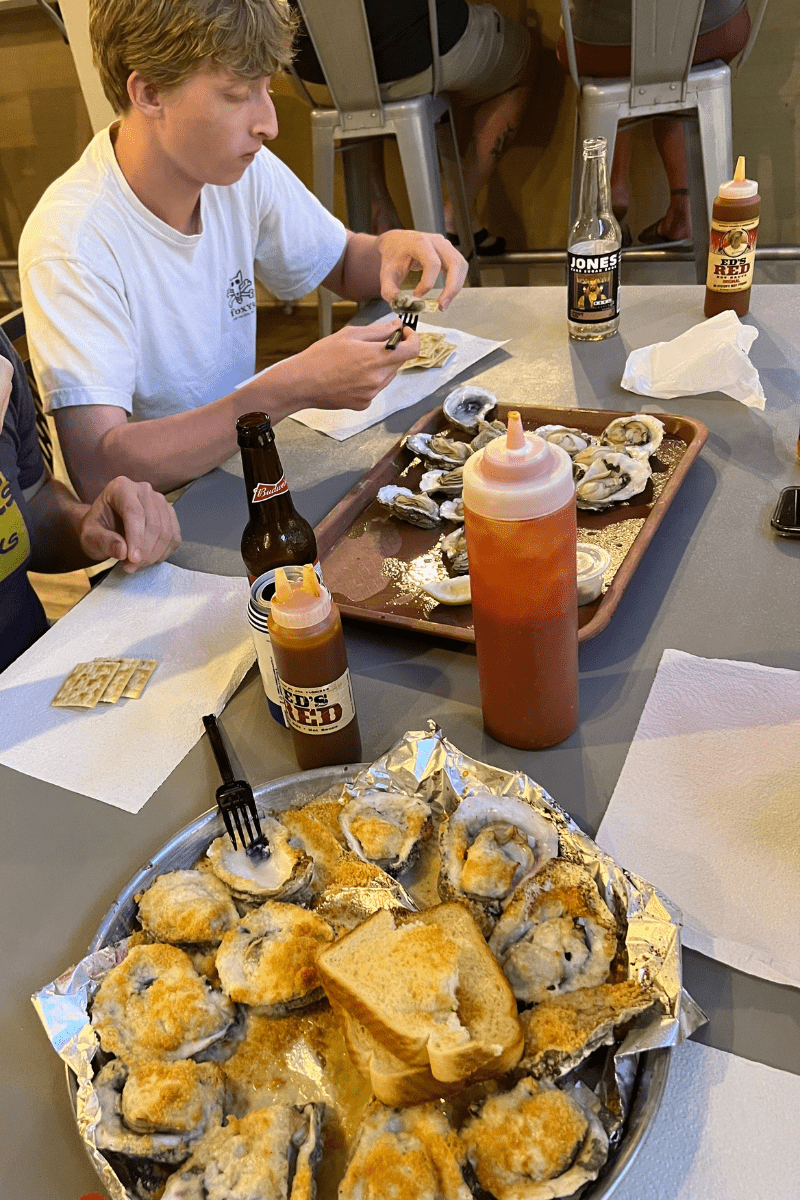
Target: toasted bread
{"points": [[393, 1082]]}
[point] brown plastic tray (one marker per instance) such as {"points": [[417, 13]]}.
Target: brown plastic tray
{"points": [[375, 564]]}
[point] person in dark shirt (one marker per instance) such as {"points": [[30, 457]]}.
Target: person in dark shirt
{"points": [[486, 64], [44, 528]]}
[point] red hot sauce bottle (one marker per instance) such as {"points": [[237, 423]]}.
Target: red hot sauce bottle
{"points": [[732, 248]]}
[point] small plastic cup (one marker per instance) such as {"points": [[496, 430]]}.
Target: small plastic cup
{"points": [[593, 562]]}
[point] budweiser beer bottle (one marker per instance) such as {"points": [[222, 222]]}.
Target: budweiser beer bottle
{"points": [[275, 536]]}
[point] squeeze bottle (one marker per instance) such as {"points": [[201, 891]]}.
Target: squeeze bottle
{"points": [[311, 660], [521, 529], [732, 245]]}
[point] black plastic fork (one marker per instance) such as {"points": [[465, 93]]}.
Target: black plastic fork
{"points": [[235, 799], [407, 318]]}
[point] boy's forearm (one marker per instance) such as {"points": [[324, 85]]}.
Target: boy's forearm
{"points": [[56, 516], [357, 274]]}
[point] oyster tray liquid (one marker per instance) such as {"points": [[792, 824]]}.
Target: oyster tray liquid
{"points": [[521, 528]]}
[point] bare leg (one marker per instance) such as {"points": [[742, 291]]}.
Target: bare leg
{"points": [[494, 126], [620, 169], [677, 221], [384, 213]]}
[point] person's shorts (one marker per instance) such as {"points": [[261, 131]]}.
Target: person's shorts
{"points": [[489, 58]]}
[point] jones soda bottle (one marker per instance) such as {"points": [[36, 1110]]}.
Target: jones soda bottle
{"points": [[274, 536], [593, 253], [521, 527]]}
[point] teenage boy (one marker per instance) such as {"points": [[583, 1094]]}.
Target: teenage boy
{"points": [[137, 265]]}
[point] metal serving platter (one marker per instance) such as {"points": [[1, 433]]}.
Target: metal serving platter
{"points": [[294, 791]]}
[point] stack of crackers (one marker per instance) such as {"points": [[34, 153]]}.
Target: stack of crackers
{"points": [[434, 351], [105, 681]]}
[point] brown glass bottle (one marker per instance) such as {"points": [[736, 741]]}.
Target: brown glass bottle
{"points": [[732, 247], [274, 536]]}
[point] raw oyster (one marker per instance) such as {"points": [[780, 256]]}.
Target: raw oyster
{"points": [[267, 961], [562, 1031], [639, 435], [467, 405], [535, 1142], [610, 479], [154, 1005], [452, 510], [386, 828], [405, 1152], [451, 483], [154, 1110], [438, 448], [192, 907], [285, 875], [454, 546], [487, 432], [488, 845], [269, 1154], [571, 440], [556, 934], [416, 510]]}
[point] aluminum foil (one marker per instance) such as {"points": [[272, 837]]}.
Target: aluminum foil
{"points": [[426, 764]]}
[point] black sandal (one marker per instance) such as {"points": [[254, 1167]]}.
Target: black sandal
{"points": [[486, 244]]}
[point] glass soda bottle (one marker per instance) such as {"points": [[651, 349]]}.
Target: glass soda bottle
{"points": [[275, 534], [594, 253], [521, 528], [310, 655]]}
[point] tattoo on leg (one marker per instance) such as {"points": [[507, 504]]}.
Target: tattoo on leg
{"points": [[506, 137]]}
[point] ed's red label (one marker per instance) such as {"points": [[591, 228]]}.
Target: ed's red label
{"points": [[267, 491]]}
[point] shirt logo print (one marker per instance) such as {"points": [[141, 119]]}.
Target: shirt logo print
{"points": [[241, 296]]}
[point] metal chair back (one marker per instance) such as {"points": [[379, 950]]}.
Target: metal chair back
{"points": [[663, 38]]}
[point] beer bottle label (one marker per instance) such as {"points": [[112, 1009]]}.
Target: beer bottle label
{"points": [[319, 710], [731, 254], [268, 491], [593, 287]]}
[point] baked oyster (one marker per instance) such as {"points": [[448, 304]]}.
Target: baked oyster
{"points": [[535, 1142], [191, 907], [405, 1152], [156, 1111], [611, 478], [154, 1005], [268, 960], [639, 434], [285, 875], [468, 404], [556, 934], [562, 1031], [487, 846], [418, 510], [269, 1154], [386, 828]]}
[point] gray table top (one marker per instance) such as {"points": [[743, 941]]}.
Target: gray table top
{"points": [[715, 582]]}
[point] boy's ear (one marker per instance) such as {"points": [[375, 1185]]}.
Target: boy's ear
{"points": [[144, 96]]}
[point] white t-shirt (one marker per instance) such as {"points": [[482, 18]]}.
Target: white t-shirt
{"points": [[122, 309]]}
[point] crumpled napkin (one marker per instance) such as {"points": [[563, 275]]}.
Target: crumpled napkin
{"points": [[711, 357]]}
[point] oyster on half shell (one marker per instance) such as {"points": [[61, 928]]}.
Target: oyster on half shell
{"points": [[405, 1152], [466, 405], [438, 448], [571, 440], [610, 479], [418, 510], [639, 435], [454, 545], [449, 483], [285, 875], [488, 846], [386, 828], [487, 432]]}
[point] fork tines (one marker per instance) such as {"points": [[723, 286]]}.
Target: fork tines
{"points": [[238, 807], [406, 318]]}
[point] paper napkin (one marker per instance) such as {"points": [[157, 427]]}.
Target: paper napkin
{"points": [[726, 1130], [706, 808], [711, 357], [194, 624]]}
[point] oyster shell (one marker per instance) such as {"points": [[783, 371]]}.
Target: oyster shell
{"points": [[269, 1154], [386, 828], [438, 448], [416, 510], [562, 1031], [571, 440], [488, 846], [454, 546], [405, 1152], [154, 1005], [610, 479], [285, 875], [451, 483], [452, 510], [155, 1110], [535, 1142], [268, 960], [466, 405], [556, 934], [639, 435], [190, 907], [487, 432]]}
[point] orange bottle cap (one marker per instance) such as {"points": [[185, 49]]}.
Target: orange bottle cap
{"points": [[299, 605]]}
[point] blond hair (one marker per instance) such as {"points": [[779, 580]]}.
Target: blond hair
{"points": [[166, 41]]}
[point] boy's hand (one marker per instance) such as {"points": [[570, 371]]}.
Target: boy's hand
{"points": [[130, 522], [404, 250]]}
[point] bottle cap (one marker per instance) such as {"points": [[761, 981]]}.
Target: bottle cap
{"points": [[518, 477], [251, 425], [738, 188], [299, 605]]}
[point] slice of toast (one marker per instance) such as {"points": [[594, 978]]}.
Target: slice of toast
{"points": [[428, 989], [393, 1082]]}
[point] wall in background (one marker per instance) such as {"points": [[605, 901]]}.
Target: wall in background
{"points": [[44, 126]]}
